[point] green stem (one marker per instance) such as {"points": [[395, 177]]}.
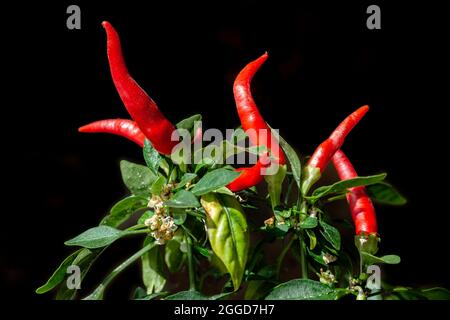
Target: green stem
{"points": [[303, 257], [97, 294], [283, 254], [288, 192], [138, 231], [191, 270]]}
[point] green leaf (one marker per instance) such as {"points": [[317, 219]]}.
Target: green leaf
{"points": [[188, 123], [183, 199], [275, 185], [388, 259], [59, 274], [137, 178], [123, 209], [146, 215], [152, 268], [294, 161], [96, 237], [228, 233], [384, 193], [203, 251], [343, 185], [308, 223], [152, 157], [173, 255], [186, 178], [312, 239], [214, 180], [84, 259], [436, 293], [158, 185], [302, 289], [331, 234], [187, 295]]}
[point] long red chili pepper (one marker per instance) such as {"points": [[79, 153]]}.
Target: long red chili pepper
{"points": [[248, 112], [253, 123], [361, 207], [325, 151], [140, 106], [249, 176], [122, 127]]}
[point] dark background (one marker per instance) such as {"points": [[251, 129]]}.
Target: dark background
{"points": [[323, 64]]}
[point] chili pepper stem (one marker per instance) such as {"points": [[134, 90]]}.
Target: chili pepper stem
{"points": [[191, 270]]}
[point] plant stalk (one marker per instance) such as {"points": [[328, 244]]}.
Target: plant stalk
{"points": [[303, 257], [191, 270], [97, 294], [283, 254]]}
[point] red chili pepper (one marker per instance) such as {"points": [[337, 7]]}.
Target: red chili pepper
{"points": [[249, 176], [325, 151], [121, 127], [361, 207], [140, 106], [248, 112]]}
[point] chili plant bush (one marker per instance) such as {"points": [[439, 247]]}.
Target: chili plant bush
{"points": [[194, 211]]}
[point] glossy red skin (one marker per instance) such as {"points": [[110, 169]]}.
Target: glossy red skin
{"points": [[121, 127], [248, 111], [140, 106], [249, 176], [325, 151], [361, 207]]}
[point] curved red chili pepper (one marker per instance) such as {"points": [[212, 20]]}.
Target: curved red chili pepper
{"points": [[326, 149], [361, 207], [248, 112], [249, 176], [121, 127], [140, 106]]}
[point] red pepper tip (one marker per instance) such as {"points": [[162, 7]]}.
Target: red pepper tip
{"points": [[105, 24]]}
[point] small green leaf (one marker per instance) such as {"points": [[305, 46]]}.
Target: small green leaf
{"points": [[123, 209], [59, 274], [302, 289], [331, 234], [343, 185], [186, 178], [203, 251], [183, 199], [152, 268], [384, 193], [308, 223], [312, 239], [187, 295], [224, 190], [152, 157], [96, 237], [146, 215], [158, 185], [188, 123], [228, 233], [214, 180], [179, 216], [137, 178], [294, 161], [388, 259]]}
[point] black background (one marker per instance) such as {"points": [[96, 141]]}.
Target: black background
{"points": [[323, 64]]}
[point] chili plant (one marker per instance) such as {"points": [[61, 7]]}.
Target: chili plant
{"points": [[195, 217]]}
